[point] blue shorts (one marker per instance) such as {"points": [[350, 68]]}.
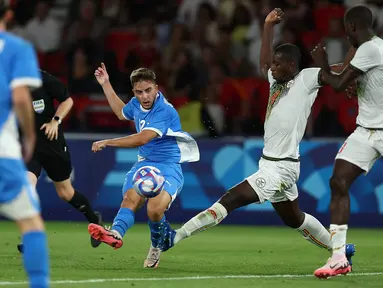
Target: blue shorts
{"points": [[174, 179], [18, 199]]}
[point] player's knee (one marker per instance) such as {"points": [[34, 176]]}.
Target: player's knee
{"points": [[155, 212], [34, 223], [294, 221], [339, 185], [132, 201], [65, 193]]}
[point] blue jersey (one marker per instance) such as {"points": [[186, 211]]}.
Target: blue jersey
{"points": [[172, 144], [18, 67]]}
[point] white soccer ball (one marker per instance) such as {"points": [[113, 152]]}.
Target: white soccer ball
{"points": [[148, 181]]}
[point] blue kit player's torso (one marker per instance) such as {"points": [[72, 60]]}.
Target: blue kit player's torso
{"points": [[168, 150], [18, 67]]}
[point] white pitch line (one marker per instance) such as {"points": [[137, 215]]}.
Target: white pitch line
{"points": [[187, 278]]}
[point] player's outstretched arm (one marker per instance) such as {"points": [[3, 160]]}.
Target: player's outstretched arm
{"points": [[131, 141], [22, 103], [266, 55], [337, 81], [114, 101]]}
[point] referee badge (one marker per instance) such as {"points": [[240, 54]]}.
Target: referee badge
{"points": [[39, 106]]}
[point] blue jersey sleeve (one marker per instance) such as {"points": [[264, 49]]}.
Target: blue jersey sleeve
{"points": [[159, 123], [127, 110], [24, 70]]}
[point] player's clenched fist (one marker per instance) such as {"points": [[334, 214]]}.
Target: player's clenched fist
{"points": [[319, 56], [101, 75], [274, 16], [99, 145]]}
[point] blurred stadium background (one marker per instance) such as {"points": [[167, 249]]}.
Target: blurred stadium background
{"points": [[205, 54]]}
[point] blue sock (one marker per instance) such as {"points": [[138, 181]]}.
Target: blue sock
{"points": [[123, 221], [36, 259], [156, 231]]}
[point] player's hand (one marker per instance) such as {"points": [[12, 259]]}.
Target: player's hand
{"points": [[28, 148], [274, 17], [51, 130], [99, 145], [101, 75], [319, 56]]}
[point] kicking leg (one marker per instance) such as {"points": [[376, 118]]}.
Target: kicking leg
{"points": [[157, 223], [238, 196], [121, 223]]}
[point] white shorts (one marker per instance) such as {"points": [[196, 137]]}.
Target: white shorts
{"points": [[275, 181], [362, 148], [24, 206]]}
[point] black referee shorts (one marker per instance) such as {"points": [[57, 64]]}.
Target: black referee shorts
{"points": [[54, 158]]}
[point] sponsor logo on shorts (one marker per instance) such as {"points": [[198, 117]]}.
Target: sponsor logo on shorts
{"points": [[260, 182], [39, 106]]}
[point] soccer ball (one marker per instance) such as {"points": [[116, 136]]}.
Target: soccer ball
{"points": [[148, 181]]}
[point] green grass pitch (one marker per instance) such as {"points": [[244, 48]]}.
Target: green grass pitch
{"points": [[224, 256]]}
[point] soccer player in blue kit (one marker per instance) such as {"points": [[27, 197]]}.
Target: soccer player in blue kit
{"points": [[162, 144], [18, 199]]}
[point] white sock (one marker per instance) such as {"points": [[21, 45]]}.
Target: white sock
{"points": [[314, 232], [338, 238], [204, 220]]}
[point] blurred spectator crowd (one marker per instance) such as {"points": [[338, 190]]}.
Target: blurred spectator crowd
{"points": [[205, 54]]}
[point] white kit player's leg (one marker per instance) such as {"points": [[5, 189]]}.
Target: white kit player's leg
{"points": [[204, 220], [314, 232], [286, 205]]}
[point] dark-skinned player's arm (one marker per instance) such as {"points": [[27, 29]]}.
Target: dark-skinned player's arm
{"points": [[114, 101], [339, 81], [266, 55], [131, 141], [339, 67]]}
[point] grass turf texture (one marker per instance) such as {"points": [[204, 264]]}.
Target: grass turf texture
{"points": [[268, 254]]}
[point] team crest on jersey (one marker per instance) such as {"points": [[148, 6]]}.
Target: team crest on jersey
{"points": [[39, 106]]}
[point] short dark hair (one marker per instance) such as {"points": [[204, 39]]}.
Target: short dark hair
{"points": [[142, 74], [361, 15], [290, 52], [3, 8]]}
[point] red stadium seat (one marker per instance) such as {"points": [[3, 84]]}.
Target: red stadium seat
{"points": [[262, 91], [330, 97], [310, 39], [55, 63], [120, 42], [323, 15]]}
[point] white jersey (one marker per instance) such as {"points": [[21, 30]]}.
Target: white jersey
{"points": [[287, 113], [369, 60]]}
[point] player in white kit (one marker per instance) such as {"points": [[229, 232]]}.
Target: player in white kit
{"points": [[292, 93], [363, 147]]}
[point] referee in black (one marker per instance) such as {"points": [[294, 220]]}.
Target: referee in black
{"points": [[51, 151]]}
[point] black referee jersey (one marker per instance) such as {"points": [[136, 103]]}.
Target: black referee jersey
{"points": [[43, 103], [52, 156]]}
